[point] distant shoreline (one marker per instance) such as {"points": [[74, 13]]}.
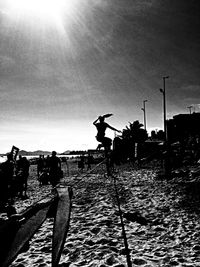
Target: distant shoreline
{"points": [[3, 157]]}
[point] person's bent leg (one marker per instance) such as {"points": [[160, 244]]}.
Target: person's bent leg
{"points": [[107, 142]]}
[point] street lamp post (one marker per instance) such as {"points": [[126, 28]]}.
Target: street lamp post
{"points": [[144, 109], [164, 106], [167, 167], [190, 107]]}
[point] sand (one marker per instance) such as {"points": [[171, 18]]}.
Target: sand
{"points": [[168, 236]]}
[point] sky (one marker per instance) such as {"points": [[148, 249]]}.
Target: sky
{"points": [[63, 63]]}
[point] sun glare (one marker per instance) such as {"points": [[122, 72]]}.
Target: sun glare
{"points": [[45, 10]]}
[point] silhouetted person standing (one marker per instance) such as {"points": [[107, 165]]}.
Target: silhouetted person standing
{"points": [[8, 168], [3, 189], [89, 161], [54, 169], [40, 165], [81, 163], [101, 126], [47, 162], [21, 178], [26, 166], [19, 163]]}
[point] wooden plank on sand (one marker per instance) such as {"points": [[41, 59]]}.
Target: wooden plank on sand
{"points": [[61, 223], [36, 216]]}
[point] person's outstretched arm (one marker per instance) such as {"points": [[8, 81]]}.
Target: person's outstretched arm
{"points": [[112, 128]]}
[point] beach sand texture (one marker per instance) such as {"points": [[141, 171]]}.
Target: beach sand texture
{"points": [[168, 235]]}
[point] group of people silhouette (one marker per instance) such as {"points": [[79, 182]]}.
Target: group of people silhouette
{"points": [[13, 179], [85, 160], [49, 169], [14, 176]]}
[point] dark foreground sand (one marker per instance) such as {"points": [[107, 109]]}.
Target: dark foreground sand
{"points": [[169, 238]]}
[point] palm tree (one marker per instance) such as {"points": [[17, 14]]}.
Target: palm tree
{"points": [[135, 133], [132, 135]]}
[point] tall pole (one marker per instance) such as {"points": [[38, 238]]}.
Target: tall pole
{"points": [[167, 167], [164, 106], [144, 109], [190, 107]]}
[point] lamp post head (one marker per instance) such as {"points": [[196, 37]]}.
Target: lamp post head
{"points": [[190, 107], [166, 77]]}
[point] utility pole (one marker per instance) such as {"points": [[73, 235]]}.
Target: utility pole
{"points": [[144, 109]]}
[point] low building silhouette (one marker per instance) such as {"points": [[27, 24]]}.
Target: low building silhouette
{"points": [[183, 126]]}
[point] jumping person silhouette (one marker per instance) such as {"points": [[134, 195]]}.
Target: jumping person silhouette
{"points": [[101, 126], [106, 142]]}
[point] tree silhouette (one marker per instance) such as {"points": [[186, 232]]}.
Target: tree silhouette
{"points": [[135, 133], [132, 134]]}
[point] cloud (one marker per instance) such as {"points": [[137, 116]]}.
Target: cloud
{"points": [[191, 88], [6, 63], [189, 94]]}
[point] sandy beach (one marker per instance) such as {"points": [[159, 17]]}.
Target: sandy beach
{"points": [[167, 235]]}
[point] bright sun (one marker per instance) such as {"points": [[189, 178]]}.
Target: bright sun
{"points": [[46, 10]]}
